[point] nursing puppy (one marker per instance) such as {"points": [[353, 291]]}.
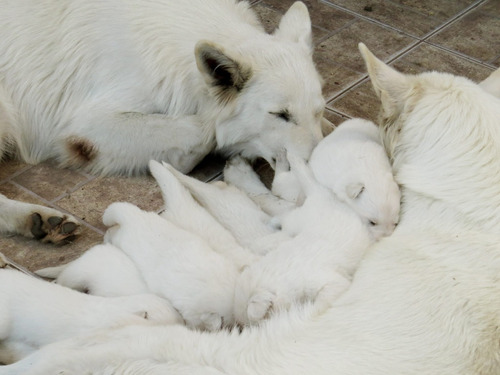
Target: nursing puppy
{"points": [[103, 270], [352, 162], [328, 240], [424, 300], [175, 264], [62, 313], [108, 85]]}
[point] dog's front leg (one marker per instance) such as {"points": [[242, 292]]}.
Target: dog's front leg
{"points": [[125, 142], [35, 221]]}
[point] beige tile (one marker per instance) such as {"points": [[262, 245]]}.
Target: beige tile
{"points": [[12, 191], [427, 57], [270, 19], [322, 14], [11, 167], [441, 10], [90, 201], [48, 181], [404, 18], [477, 34], [360, 101], [338, 58], [335, 118], [34, 255]]}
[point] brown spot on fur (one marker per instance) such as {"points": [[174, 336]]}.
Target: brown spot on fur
{"points": [[81, 150]]}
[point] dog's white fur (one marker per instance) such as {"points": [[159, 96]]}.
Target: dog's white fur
{"points": [[62, 313], [353, 164], [175, 264], [108, 85], [327, 243], [424, 300], [104, 270]]}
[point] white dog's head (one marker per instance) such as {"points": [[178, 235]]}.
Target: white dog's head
{"points": [[272, 88], [442, 133]]}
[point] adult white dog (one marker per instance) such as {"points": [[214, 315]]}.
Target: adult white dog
{"points": [[108, 85], [425, 300]]}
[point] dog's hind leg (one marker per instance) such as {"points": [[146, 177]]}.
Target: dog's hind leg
{"points": [[183, 210], [35, 221], [238, 172]]}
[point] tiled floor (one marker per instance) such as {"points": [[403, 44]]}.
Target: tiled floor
{"points": [[456, 36]]}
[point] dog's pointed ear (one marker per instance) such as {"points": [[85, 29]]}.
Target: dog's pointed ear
{"points": [[223, 74], [354, 190], [295, 25], [391, 86]]}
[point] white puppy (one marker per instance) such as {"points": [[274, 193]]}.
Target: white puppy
{"points": [[257, 231], [183, 210], [175, 264], [103, 270], [63, 313], [352, 162], [317, 264]]}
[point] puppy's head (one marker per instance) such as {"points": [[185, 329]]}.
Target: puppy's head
{"points": [[272, 88]]}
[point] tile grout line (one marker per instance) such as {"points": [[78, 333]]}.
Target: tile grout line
{"points": [[54, 206], [17, 173], [68, 192]]}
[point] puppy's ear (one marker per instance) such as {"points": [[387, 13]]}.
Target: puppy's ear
{"points": [[391, 86], [354, 190], [224, 75], [295, 25]]}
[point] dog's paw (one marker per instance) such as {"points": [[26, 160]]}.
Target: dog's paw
{"points": [[52, 226], [211, 321]]}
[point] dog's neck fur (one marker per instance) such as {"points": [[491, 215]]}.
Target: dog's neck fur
{"points": [[421, 167]]}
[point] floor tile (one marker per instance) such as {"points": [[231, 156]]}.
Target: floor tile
{"points": [[322, 14], [270, 18], [10, 167], [427, 57], [361, 101], [403, 18], [34, 255], [441, 10], [338, 58], [49, 182], [477, 34], [89, 202]]}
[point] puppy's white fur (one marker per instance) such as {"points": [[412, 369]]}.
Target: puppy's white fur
{"points": [[103, 270], [182, 210], [317, 264], [229, 205], [109, 85], [175, 264], [62, 313], [353, 164], [424, 300]]}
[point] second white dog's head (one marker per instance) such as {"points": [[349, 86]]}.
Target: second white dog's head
{"points": [[268, 89]]}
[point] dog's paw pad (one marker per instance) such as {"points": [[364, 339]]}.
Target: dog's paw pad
{"points": [[54, 229]]}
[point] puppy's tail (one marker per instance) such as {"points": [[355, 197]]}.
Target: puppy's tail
{"points": [[175, 195], [51, 272], [119, 212]]}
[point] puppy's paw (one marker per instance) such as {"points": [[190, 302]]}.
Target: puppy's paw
{"points": [[211, 321], [237, 169], [260, 306], [49, 225]]}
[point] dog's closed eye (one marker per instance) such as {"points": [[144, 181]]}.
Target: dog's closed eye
{"points": [[284, 115]]}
